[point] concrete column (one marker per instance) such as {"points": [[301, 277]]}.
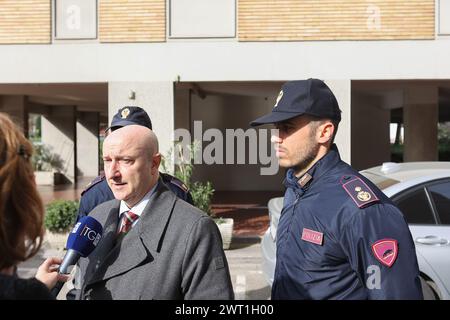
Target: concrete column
{"points": [[16, 108], [156, 98], [421, 115], [88, 144], [182, 108], [59, 132], [342, 91], [370, 131]]}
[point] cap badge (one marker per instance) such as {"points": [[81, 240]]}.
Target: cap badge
{"points": [[362, 195], [386, 251], [280, 95], [125, 112]]}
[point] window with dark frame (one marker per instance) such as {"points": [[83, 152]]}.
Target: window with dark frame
{"points": [[440, 194], [416, 207]]}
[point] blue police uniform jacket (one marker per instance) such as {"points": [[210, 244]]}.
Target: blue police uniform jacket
{"points": [[98, 192], [340, 237]]}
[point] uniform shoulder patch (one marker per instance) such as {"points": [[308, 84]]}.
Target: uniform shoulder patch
{"points": [[359, 191], [175, 181], [97, 180], [386, 251]]}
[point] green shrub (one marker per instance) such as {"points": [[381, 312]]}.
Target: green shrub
{"points": [[60, 215], [44, 159], [201, 192], [201, 195]]}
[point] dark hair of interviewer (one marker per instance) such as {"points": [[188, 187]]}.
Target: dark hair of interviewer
{"points": [[21, 208]]}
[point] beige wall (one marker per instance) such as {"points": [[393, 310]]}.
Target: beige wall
{"points": [[30, 21], [287, 20], [25, 21], [132, 20]]}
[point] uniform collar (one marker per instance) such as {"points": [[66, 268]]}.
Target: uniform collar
{"points": [[328, 161]]}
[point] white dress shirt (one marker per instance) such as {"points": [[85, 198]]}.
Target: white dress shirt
{"points": [[138, 208]]}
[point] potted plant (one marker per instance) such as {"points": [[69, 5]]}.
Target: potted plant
{"points": [[47, 165], [60, 216], [202, 193]]}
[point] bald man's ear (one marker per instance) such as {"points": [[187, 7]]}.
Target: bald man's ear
{"points": [[156, 161]]}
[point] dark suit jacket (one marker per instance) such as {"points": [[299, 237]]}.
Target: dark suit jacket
{"points": [[173, 252]]}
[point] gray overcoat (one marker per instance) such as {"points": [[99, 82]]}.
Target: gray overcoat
{"points": [[173, 252]]}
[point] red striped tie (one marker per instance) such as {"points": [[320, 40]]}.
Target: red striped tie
{"points": [[127, 221]]}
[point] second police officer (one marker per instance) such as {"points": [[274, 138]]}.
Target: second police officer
{"points": [[339, 236]]}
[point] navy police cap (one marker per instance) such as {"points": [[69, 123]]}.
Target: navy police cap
{"points": [[128, 116], [311, 97]]}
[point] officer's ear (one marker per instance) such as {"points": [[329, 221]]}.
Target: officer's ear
{"points": [[325, 132]]}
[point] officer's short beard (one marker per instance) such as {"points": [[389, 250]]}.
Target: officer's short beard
{"points": [[308, 155], [307, 160]]}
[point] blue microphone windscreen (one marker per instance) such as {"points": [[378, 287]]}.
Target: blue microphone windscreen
{"points": [[85, 236]]}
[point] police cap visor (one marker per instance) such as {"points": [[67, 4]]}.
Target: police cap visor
{"points": [[312, 97]]}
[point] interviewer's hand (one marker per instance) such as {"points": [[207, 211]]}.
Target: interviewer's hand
{"points": [[48, 272]]}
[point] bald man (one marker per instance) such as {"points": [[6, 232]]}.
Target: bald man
{"points": [[154, 245]]}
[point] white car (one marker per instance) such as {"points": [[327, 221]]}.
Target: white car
{"points": [[422, 192]]}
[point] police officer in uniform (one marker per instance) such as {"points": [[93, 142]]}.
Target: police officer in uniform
{"points": [[98, 190], [339, 236]]}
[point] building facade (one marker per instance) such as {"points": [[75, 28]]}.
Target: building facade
{"points": [[222, 62]]}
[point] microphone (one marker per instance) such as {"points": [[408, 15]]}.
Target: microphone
{"points": [[82, 240]]}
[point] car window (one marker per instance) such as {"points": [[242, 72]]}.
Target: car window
{"points": [[441, 197], [415, 206]]}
